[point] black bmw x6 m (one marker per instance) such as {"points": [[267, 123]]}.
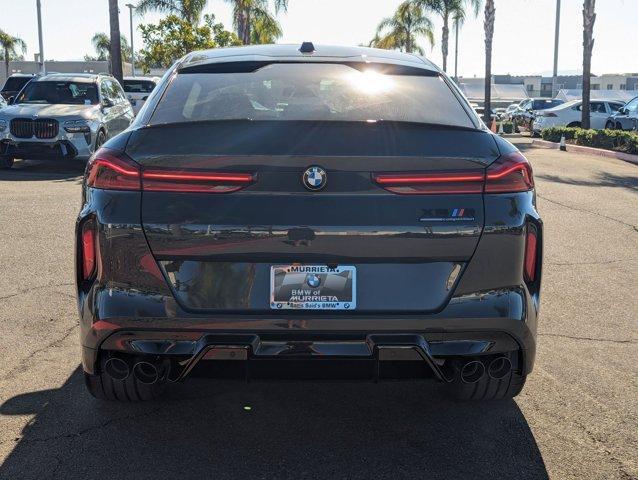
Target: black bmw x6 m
{"points": [[317, 213]]}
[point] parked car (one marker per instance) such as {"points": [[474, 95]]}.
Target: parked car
{"points": [[63, 116], [14, 84], [569, 114], [138, 89], [510, 110], [500, 113], [529, 108], [625, 118], [348, 217]]}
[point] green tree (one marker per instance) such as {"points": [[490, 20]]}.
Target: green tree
{"points": [[102, 44], [254, 22], [449, 10], [401, 30], [589, 17], [10, 46], [174, 37], [189, 10]]}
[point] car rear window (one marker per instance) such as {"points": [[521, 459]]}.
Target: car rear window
{"points": [[545, 104], [319, 92], [138, 86]]}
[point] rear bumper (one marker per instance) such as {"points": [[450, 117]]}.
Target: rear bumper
{"points": [[487, 324], [245, 354]]}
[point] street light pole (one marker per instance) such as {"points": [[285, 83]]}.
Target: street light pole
{"points": [[130, 10], [556, 35], [43, 69]]}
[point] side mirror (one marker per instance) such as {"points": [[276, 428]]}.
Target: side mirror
{"points": [[107, 103], [622, 111], [10, 100]]}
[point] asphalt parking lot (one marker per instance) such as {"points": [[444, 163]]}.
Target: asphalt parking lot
{"points": [[577, 418]]}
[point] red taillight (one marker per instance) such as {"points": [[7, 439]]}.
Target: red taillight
{"points": [[88, 250], [531, 241], [432, 183], [110, 172], [510, 173], [194, 182]]}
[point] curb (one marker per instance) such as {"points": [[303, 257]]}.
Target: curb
{"points": [[588, 150]]}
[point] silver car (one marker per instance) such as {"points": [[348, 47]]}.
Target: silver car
{"points": [[63, 116]]}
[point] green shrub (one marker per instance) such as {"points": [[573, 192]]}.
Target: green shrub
{"points": [[553, 134], [616, 140]]}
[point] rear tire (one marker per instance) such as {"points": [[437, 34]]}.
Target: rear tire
{"points": [[574, 125], [105, 387], [488, 388], [6, 163]]}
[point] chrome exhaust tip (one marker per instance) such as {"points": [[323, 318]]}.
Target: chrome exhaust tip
{"points": [[145, 372], [472, 371], [116, 368], [499, 368]]}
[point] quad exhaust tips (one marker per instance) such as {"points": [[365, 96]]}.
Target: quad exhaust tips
{"points": [[116, 368], [499, 368], [146, 372], [143, 371], [474, 370]]}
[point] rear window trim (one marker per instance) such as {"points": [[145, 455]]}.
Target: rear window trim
{"points": [[252, 66]]}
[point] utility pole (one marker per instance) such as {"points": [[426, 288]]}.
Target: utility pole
{"points": [[556, 35], [456, 51], [130, 9], [43, 68]]}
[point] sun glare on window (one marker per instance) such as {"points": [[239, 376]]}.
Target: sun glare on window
{"points": [[370, 82]]}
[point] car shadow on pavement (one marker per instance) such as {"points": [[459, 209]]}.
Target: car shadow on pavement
{"points": [[35, 170], [603, 179], [210, 429]]}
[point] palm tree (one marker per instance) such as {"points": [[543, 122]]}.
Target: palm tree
{"points": [[265, 29], [253, 21], [115, 51], [449, 10], [589, 17], [102, 44], [400, 31], [189, 10], [10, 46], [490, 15]]}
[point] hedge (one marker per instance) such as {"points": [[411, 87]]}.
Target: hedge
{"points": [[617, 140]]}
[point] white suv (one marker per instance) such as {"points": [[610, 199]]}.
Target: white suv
{"points": [[138, 89]]}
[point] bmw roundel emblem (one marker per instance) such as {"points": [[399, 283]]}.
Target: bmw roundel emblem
{"points": [[313, 280], [314, 178]]}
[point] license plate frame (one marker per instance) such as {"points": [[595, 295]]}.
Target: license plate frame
{"points": [[291, 287]]}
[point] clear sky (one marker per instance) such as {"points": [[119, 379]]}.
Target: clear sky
{"points": [[523, 41]]}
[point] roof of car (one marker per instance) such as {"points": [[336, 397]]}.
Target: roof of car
{"points": [[71, 77], [291, 52], [152, 79]]}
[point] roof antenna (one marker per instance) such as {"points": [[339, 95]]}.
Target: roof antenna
{"points": [[307, 47]]}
